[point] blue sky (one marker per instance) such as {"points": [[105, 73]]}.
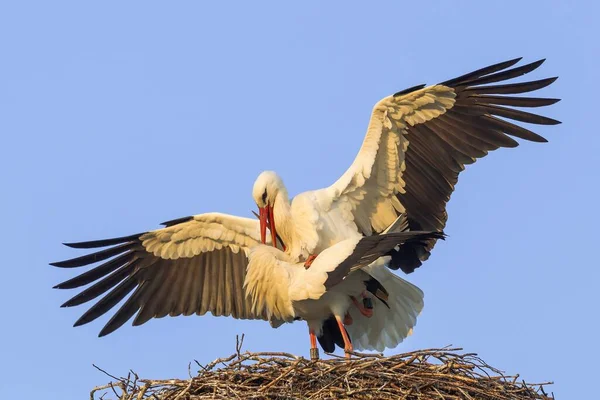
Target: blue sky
{"points": [[116, 116]]}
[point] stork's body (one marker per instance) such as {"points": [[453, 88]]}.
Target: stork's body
{"points": [[285, 290]]}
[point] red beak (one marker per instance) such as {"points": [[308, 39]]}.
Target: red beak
{"points": [[271, 219], [266, 219]]}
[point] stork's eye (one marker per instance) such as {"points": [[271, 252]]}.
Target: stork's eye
{"points": [[264, 197]]}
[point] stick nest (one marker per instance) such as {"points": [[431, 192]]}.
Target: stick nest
{"points": [[425, 374]]}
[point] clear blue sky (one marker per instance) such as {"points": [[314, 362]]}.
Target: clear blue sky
{"points": [[116, 116]]}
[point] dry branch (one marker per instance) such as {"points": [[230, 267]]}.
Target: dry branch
{"points": [[424, 374]]}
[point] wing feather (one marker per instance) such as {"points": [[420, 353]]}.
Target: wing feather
{"points": [[420, 139], [103, 285], [182, 299], [193, 265], [206, 289], [219, 295], [192, 304], [364, 252], [147, 309]]}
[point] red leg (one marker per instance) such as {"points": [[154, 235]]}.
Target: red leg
{"points": [[314, 351], [347, 344], [309, 261], [364, 311], [348, 319]]}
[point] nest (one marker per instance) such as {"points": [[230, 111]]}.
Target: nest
{"points": [[425, 374]]}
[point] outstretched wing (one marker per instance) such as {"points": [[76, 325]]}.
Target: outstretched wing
{"points": [[337, 262], [360, 254], [420, 139], [194, 265]]}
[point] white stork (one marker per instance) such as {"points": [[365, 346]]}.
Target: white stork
{"points": [[285, 290], [417, 142]]}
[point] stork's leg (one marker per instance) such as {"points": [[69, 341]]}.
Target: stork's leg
{"points": [[314, 351], [309, 261], [348, 319], [347, 343], [367, 312]]}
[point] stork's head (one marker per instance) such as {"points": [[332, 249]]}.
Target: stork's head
{"points": [[266, 188]]}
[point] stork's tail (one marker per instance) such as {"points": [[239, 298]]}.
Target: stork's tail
{"points": [[389, 325], [331, 334]]}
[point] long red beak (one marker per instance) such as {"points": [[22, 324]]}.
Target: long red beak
{"points": [[271, 219], [262, 218], [266, 219]]}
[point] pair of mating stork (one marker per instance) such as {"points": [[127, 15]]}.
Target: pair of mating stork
{"points": [[328, 247]]}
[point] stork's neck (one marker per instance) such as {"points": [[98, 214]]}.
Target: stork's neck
{"points": [[283, 219]]}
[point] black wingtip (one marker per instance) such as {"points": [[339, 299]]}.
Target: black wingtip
{"points": [[68, 284], [413, 251], [65, 264], [536, 64], [176, 221], [110, 327], [68, 303], [85, 319], [439, 235], [95, 257], [425, 235], [506, 64], [74, 245], [104, 242], [70, 263], [482, 72], [510, 63]]}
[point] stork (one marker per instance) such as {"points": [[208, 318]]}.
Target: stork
{"points": [[418, 141]]}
